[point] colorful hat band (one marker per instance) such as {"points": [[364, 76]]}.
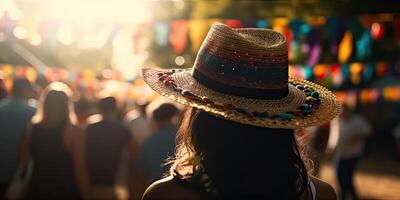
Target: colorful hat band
{"points": [[254, 93]]}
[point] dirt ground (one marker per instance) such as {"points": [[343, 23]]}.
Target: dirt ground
{"points": [[377, 177]]}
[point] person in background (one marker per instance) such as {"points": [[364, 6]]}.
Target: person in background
{"points": [[138, 122], [55, 145], [396, 135], [15, 113], [3, 91], [83, 109], [351, 131], [108, 140], [160, 145]]}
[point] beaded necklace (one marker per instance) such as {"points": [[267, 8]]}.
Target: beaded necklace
{"points": [[200, 179]]}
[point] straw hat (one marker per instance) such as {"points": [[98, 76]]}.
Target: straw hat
{"points": [[242, 75]]}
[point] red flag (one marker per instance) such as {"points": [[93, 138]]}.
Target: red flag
{"points": [[178, 35]]}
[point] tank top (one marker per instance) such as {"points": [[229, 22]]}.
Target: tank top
{"points": [[312, 189], [53, 174]]}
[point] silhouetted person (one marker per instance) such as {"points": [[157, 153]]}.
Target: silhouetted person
{"points": [[160, 145], [56, 146], [3, 91], [352, 132], [15, 114], [107, 140], [83, 109], [396, 135], [139, 123]]}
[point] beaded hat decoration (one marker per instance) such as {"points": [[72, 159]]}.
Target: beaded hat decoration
{"points": [[242, 75]]}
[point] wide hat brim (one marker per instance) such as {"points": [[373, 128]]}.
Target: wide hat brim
{"points": [[290, 112]]}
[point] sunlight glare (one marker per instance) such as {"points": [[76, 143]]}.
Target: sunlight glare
{"points": [[123, 11]]}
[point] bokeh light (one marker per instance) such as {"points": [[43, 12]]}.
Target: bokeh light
{"points": [[179, 60]]}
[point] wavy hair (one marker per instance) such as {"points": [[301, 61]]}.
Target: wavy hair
{"points": [[232, 152]]}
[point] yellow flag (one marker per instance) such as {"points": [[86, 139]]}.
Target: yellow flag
{"points": [[356, 70], [31, 74], [345, 47], [198, 29]]}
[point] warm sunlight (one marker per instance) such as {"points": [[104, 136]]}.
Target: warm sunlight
{"points": [[83, 11], [88, 24]]}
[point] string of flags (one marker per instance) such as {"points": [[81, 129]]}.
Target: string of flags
{"points": [[328, 75], [338, 75], [344, 39], [369, 95], [349, 43]]}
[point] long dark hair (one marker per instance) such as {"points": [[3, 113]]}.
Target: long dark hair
{"points": [[55, 106], [242, 161]]}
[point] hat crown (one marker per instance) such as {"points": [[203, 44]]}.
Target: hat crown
{"points": [[246, 62], [260, 39]]}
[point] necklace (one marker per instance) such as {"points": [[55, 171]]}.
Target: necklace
{"points": [[200, 177]]}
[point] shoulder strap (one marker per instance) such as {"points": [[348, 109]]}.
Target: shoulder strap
{"points": [[313, 190]]}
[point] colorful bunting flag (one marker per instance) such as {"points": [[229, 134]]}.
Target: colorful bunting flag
{"points": [[178, 35], [161, 30], [233, 23], [198, 29], [345, 47]]}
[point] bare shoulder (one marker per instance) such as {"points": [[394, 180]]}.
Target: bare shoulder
{"points": [[324, 190], [167, 188], [159, 188]]}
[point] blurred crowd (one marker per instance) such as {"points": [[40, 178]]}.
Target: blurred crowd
{"points": [[56, 146], [53, 146]]}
